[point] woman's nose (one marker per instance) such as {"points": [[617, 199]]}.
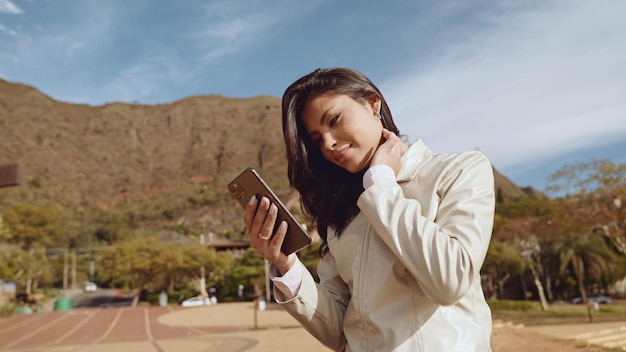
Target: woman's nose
{"points": [[329, 142]]}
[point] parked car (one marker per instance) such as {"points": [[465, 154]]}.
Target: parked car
{"points": [[90, 286], [197, 301], [601, 299]]}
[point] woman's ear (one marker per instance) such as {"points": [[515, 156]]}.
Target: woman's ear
{"points": [[375, 103]]}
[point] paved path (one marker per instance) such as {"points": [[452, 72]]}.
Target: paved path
{"points": [[609, 335], [227, 327]]}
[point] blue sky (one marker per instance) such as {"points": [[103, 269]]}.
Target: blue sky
{"points": [[534, 85]]}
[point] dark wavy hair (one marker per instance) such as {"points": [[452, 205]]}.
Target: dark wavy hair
{"points": [[328, 192]]}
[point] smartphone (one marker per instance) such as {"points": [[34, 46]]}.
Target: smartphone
{"points": [[249, 183]]}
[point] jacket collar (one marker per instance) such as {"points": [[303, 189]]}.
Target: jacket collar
{"points": [[412, 159]]}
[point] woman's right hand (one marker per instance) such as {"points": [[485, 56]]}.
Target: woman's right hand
{"points": [[260, 218], [390, 151]]}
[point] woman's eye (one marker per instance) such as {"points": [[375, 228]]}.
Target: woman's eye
{"points": [[333, 120]]}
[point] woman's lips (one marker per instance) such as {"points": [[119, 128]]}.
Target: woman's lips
{"points": [[342, 155]]}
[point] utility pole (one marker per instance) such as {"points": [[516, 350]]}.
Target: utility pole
{"points": [[92, 270], [65, 269], [74, 269], [202, 273]]}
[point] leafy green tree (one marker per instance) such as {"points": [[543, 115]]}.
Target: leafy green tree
{"points": [[31, 226], [249, 270], [5, 233], [503, 261], [197, 262], [10, 263], [109, 227], [219, 274], [144, 260], [151, 265], [27, 268]]}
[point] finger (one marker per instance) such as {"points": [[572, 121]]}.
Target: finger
{"points": [[277, 241], [249, 212], [279, 236], [259, 217], [268, 225], [388, 134]]}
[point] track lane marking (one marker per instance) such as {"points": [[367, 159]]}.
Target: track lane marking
{"points": [[78, 326], [35, 332], [111, 327], [147, 320], [26, 321]]}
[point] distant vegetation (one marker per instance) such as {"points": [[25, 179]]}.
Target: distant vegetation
{"points": [[553, 249]]}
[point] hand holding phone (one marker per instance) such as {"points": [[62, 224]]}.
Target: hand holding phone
{"points": [[249, 183]]}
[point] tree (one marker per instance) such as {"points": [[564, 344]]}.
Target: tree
{"points": [[585, 256], [197, 262], [249, 270], [530, 250], [596, 192], [145, 260], [10, 263], [5, 233], [31, 226], [109, 227], [503, 261]]}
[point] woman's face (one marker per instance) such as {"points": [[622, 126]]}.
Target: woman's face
{"points": [[346, 131]]}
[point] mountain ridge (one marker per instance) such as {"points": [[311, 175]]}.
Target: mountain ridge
{"points": [[77, 156]]}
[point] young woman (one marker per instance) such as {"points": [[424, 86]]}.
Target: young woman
{"points": [[405, 231]]}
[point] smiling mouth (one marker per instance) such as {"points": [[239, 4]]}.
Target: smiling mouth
{"points": [[342, 155]]}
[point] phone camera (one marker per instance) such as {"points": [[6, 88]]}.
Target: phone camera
{"points": [[237, 191]]}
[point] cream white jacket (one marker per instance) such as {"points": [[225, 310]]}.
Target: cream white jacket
{"points": [[405, 273]]}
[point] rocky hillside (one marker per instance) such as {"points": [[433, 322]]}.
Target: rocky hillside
{"points": [[77, 157]]}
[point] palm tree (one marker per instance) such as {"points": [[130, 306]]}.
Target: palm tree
{"points": [[586, 256]]}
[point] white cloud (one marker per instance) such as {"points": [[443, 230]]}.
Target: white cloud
{"points": [[146, 79], [535, 83], [7, 6], [49, 45], [230, 27]]}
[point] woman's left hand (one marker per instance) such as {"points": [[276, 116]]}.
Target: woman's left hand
{"points": [[390, 151], [260, 218]]}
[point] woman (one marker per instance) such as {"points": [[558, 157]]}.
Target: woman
{"points": [[404, 231]]}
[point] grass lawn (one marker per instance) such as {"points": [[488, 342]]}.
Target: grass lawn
{"points": [[529, 313]]}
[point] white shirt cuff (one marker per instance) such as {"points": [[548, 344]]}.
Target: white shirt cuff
{"points": [[289, 284], [376, 174]]}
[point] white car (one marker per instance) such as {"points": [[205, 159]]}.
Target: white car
{"points": [[197, 301], [90, 286]]}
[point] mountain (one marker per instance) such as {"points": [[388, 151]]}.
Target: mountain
{"points": [[159, 164], [509, 189]]}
